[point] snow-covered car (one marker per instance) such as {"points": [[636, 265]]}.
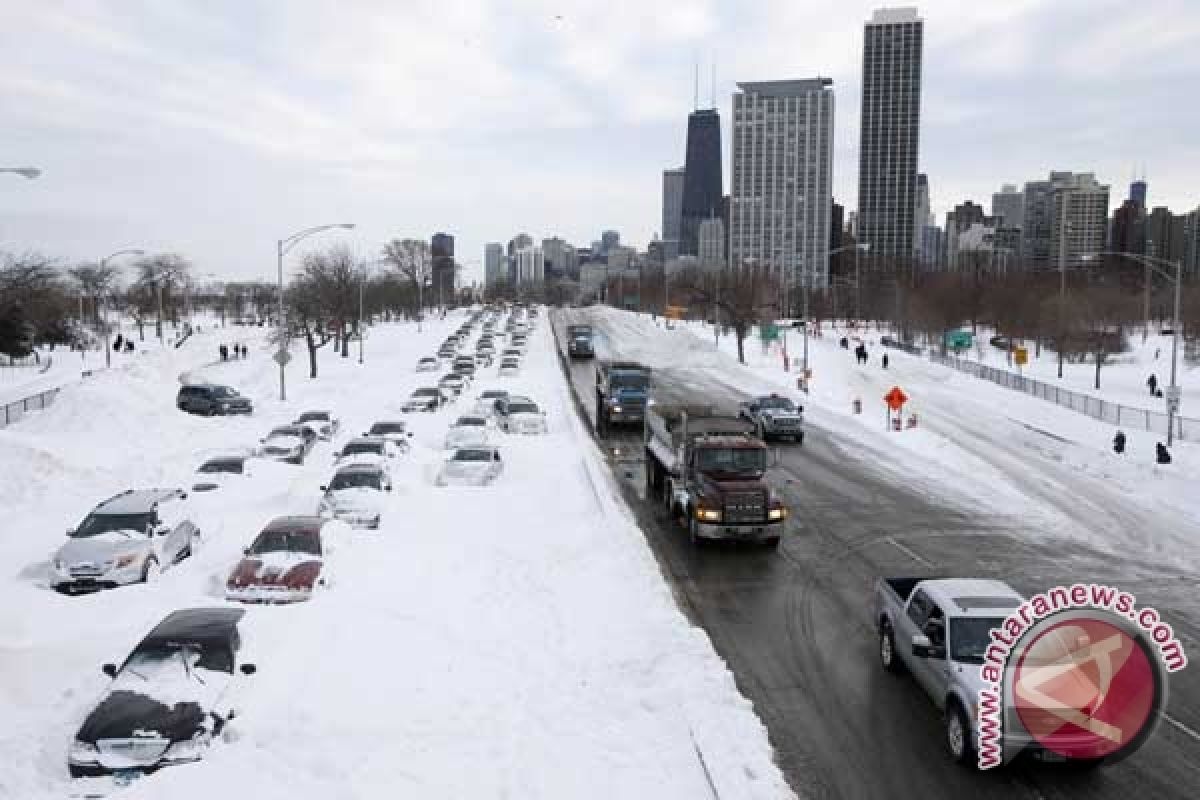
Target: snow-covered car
{"points": [[465, 366], [219, 471], [425, 399], [454, 382], [509, 365], [355, 495], [485, 404], [519, 342], [517, 414], [366, 450], [467, 431], [325, 424], [429, 364], [168, 701], [471, 466], [394, 430], [285, 563], [126, 539], [290, 443]]}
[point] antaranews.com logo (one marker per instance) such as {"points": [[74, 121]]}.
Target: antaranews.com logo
{"points": [[1079, 672]]}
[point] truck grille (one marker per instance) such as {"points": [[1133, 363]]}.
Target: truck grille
{"points": [[85, 571], [745, 507]]}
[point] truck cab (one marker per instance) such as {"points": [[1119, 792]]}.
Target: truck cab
{"points": [[622, 389], [579, 341]]}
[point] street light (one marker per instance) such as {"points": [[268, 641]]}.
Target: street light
{"points": [[1155, 264], [834, 252], [107, 333], [24, 172], [282, 247]]}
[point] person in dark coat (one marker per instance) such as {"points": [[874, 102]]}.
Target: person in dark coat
{"points": [[1152, 382], [129, 345], [1161, 454], [224, 352], [885, 360], [119, 343], [1119, 442], [245, 351]]}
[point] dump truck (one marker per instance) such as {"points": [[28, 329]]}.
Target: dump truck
{"points": [[708, 471], [622, 389]]}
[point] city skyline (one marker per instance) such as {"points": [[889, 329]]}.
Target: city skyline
{"points": [[153, 132]]}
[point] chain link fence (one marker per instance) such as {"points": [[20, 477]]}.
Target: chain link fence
{"points": [[1103, 410], [18, 408]]}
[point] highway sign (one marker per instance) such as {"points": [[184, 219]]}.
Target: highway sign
{"points": [[1021, 356], [282, 357], [769, 332], [958, 340], [895, 399]]}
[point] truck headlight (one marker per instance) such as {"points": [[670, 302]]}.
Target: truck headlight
{"points": [[616, 409], [188, 750], [777, 514], [83, 753], [708, 514]]}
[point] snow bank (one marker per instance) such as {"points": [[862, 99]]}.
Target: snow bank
{"points": [[515, 640]]}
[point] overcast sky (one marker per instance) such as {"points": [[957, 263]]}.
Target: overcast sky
{"points": [[214, 128]]}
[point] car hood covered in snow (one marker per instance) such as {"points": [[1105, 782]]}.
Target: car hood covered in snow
{"points": [[355, 499], [277, 570], [100, 548], [467, 473]]}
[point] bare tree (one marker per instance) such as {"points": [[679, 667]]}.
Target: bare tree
{"points": [[95, 281], [34, 304], [334, 274], [743, 298], [413, 259], [161, 274]]}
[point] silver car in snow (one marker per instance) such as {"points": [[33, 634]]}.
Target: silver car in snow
{"points": [[355, 495], [471, 466]]}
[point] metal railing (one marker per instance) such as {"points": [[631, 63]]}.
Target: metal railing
{"points": [[18, 408], [1094, 407]]}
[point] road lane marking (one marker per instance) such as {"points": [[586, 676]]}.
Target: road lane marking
{"points": [[908, 552], [1180, 726]]}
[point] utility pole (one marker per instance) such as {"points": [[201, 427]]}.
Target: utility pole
{"points": [[1062, 280]]}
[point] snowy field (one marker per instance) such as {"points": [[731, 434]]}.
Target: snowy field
{"points": [[976, 445], [511, 641]]}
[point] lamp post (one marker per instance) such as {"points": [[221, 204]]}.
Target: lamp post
{"points": [[25, 172], [1160, 265], [107, 334], [831, 253], [282, 247]]}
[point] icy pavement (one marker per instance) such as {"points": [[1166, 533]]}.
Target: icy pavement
{"points": [[511, 641]]}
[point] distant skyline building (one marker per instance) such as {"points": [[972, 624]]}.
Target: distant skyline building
{"points": [[1137, 193], [711, 245], [702, 190], [530, 266], [1079, 220], [964, 217], [518, 242], [890, 134], [923, 212], [782, 189], [495, 271], [1165, 235], [609, 240], [441, 248], [672, 211], [1128, 233], [1008, 206], [559, 258]]}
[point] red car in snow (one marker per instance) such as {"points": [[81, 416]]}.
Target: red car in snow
{"points": [[285, 564]]}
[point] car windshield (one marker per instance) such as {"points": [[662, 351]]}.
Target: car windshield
{"points": [[494, 395], [314, 416], [162, 661], [287, 431], [355, 480], [286, 542], [522, 408], [425, 393], [224, 391], [631, 380], [223, 465], [99, 524], [353, 448], [781, 403], [732, 459], [387, 427], [472, 455], [969, 638], [464, 422]]}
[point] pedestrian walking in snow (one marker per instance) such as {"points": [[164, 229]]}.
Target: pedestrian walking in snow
{"points": [[885, 360], [224, 351], [1119, 442], [119, 343], [129, 345], [245, 352], [1161, 454], [1152, 382]]}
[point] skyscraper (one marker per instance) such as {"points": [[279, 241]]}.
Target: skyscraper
{"points": [[710, 252], [521, 240], [701, 177], [782, 178], [442, 250], [1008, 207], [889, 134], [672, 211], [494, 268], [1066, 217], [609, 240], [1137, 193]]}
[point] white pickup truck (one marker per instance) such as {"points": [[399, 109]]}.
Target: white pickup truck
{"points": [[937, 629]]}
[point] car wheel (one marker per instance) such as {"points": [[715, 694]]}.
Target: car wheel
{"points": [[773, 542], [693, 530], [887, 651], [150, 570], [958, 734]]}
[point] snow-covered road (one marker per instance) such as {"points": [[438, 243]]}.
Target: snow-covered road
{"points": [[513, 641]]}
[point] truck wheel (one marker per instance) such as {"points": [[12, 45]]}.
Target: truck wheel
{"points": [[773, 542], [693, 531], [958, 734], [887, 651]]}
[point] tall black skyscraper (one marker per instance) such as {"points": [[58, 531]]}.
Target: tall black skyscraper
{"points": [[442, 250], [701, 176]]}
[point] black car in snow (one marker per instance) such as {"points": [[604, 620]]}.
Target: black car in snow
{"points": [[209, 399], [169, 700]]}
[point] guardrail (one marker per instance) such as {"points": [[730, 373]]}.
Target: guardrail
{"points": [[1104, 410], [18, 408]]}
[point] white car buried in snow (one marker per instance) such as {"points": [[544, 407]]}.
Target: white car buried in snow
{"points": [[429, 364], [372, 450], [471, 466], [394, 430], [220, 471], [509, 365], [426, 399], [355, 495], [517, 414], [485, 405], [467, 431]]}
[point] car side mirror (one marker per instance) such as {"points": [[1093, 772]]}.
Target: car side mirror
{"points": [[923, 648], [387, 488], [245, 551], [324, 488], [249, 669], [110, 670]]}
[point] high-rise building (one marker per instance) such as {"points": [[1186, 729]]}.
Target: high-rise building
{"points": [[530, 265], [495, 271], [1137, 193], [837, 226], [1008, 206], [609, 240], [1078, 221], [518, 242], [559, 258], [1128, 229], [672, 211], [1165, 236], [702, 190], [964, 217], [890, 135], [1074, 200], [782, 178], [442, 252], [1191, 244], [710, 252]]}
